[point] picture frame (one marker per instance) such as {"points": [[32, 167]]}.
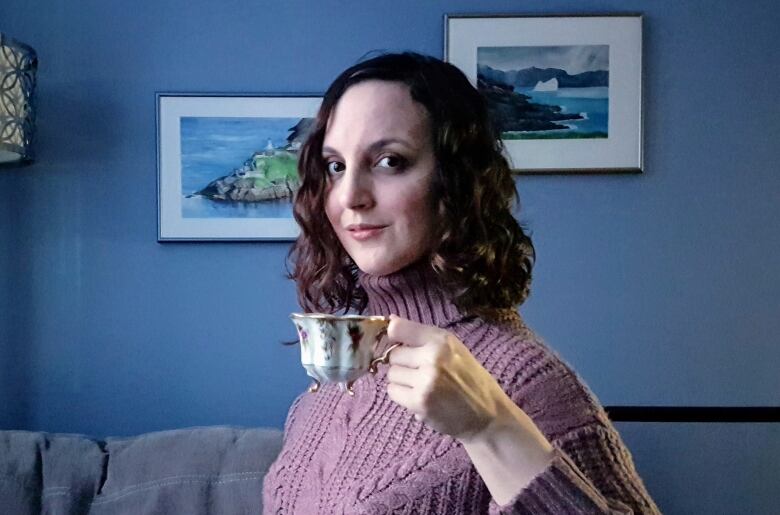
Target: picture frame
{"points": [[564, 90], [227, 164]]}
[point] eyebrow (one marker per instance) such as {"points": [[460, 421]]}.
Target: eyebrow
{"points": [[375, 145]]}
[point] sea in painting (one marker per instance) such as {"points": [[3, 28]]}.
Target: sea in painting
{"points": [[239, 167], [546, 92]]}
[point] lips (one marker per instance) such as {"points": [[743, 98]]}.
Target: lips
{"points": [[362, 232]]}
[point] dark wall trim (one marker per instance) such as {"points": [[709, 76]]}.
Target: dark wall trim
{"points": [[692, 414]]}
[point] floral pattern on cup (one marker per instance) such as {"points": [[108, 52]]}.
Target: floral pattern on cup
{"points": [[356, 334], [303, 336]]}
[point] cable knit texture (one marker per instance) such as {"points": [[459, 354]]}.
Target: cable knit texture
{"points": [[365, 454]]}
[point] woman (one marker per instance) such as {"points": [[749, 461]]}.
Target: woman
{"points": [[405, 210]]}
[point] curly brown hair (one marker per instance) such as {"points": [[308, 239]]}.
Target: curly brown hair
{"points": [[482, 255]]}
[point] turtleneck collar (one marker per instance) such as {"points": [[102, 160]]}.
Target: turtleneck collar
{"points": [[414, 292]]}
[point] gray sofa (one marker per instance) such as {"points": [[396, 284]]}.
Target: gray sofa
{"points": [[209, 470]]}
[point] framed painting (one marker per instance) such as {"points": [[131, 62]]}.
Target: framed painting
{"points": [[227, 165], [564, 91]]}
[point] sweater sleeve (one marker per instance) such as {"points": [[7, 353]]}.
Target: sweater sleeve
{"points": [[591, 472]]}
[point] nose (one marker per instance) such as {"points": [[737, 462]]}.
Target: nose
{"points": [[355, 189]]}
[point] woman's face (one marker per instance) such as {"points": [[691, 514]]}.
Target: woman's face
{"points": [[380, 165]]}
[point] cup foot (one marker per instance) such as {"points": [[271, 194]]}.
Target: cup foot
{"points": [[348, 386]]}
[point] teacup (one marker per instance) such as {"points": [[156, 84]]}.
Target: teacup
{"points": [[340, 348]]}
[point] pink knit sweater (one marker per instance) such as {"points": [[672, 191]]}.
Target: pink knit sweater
{"points": [[366, 454]]}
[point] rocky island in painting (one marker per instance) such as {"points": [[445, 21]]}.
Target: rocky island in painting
{"points": [[267, 175]]}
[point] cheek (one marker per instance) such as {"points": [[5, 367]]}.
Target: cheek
{"points": [[419, 214], [331, 209]]}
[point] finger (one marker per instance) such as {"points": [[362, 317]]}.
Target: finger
{"points": [[401, 395], [410, 357], [402, 376], [411, 333]]}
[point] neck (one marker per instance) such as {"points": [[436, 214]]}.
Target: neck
{"points": [[415, 293]]}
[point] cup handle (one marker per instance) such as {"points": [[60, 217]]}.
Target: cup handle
{"points": [[384, 359]]}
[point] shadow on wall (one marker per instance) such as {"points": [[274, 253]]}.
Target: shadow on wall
{"points": [[15, 366], [29, 240]]}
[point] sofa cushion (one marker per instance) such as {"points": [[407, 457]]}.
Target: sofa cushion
{"points": [[192, 471]]}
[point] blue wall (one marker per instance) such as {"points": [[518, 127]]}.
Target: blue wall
{"points": [[660, 288]]}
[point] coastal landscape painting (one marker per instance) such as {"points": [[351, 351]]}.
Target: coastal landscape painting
{"points": [[552, 92], [240, 167], [228, 165], [564, 92]]}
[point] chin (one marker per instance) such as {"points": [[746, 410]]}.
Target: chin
{"points": [[379, 267], [376, 268]]}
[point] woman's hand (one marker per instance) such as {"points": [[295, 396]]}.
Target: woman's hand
{"points": [[437, 378]]}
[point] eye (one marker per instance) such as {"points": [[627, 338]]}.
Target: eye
{"points": [[390, 162], [334, 167]]}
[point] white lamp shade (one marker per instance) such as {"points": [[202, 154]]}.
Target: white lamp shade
{"points": [[18, 66]]}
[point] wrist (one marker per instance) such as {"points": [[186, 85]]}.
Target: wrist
{"points": [[510, 425], [509, 452]]}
